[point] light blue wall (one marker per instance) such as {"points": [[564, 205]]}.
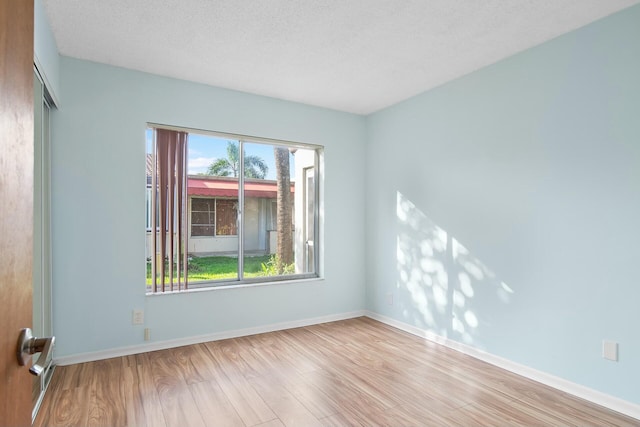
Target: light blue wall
{"points": [[503, 209], [99, 210], [46, 51]]}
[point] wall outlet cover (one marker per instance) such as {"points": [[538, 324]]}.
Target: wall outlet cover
{"points": [[138, 317], [610, 350]]}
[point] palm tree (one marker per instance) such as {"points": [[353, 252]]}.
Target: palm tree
{"points": [[254, 166], [284, 251]]}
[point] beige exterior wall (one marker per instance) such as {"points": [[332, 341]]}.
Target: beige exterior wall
{"points": [[303, 160], [256, 233]]}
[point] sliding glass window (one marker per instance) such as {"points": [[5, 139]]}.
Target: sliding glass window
{"points": [[234, 210]]}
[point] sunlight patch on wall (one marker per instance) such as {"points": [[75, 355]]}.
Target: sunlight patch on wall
{"points": [[421, 255], [440, 282]]}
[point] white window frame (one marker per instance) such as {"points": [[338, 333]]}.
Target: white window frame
{"points": [[318, 196]]}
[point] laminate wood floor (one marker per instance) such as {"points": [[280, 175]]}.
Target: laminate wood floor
{"points": [[352, 372]]}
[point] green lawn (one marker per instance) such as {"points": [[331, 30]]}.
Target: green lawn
{"points": [[220, 267]]}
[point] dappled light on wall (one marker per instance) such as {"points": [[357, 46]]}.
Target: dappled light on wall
{"points": [[422, 273], [441, 285]]}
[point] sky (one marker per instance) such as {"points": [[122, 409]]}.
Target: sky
{"points": [[203, 150]]}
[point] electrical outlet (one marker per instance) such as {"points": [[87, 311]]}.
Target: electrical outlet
{"points": [[138, 317], [147, 334], [610, 350], [390, 298]]}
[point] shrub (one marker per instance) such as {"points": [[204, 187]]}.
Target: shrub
{"points": [[270, 268]]}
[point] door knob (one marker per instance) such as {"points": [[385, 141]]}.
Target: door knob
{"points": [[28, 345]]}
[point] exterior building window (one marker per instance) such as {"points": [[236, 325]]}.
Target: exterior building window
{"points": [[203, 217], [226, 217], [214, 217], [229, 209]]}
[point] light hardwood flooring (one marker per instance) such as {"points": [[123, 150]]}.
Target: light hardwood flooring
{"points": [[352, 372]]}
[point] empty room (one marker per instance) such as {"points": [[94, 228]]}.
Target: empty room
{"points": [[320, 213]]}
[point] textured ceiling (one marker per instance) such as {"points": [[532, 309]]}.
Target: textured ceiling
{"points": [[357, 56]]}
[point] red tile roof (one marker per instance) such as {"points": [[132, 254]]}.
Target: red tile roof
{"points": [[228, 187]]}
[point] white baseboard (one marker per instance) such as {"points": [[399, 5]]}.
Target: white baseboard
{"points": [[162, 345], [586, 393], [599, 398]]}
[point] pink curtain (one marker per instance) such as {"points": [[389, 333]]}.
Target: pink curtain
{"points": [[171, 205]]}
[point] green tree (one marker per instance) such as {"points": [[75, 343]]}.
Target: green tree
{"points": [[254, 166]]}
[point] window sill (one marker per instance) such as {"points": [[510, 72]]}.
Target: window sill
{"points": [[238, 286]]}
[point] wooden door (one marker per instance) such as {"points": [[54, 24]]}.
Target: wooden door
{"points": [[16, 204]]}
